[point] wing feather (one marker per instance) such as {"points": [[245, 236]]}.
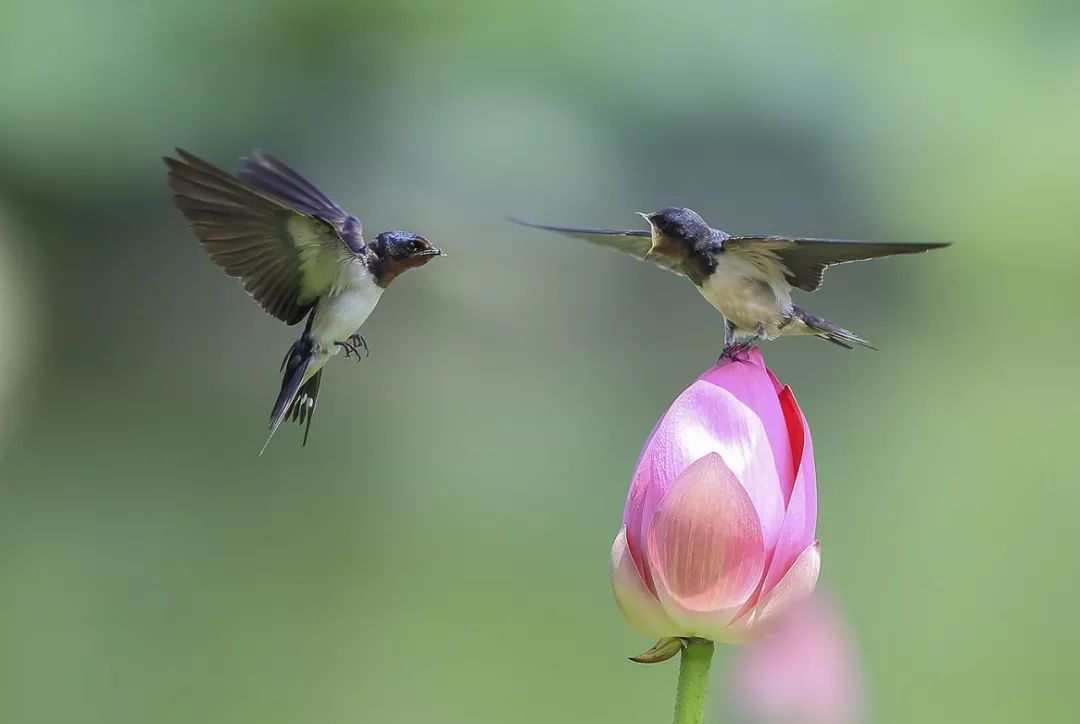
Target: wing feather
{"points": [[272, 176], [284, 256], [635, 242], [805, 260]]}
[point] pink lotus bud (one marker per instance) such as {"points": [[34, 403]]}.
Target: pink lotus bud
{"points": [[718, 533], [806, 673]]}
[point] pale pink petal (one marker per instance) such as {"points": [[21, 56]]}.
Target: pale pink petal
{"points": [[705, 548], [639, 606], [800, 519], [794, 587], [635, 504], [705, 419], [753, 385]]}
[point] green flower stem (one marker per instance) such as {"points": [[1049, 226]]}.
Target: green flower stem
{"points": [[693, 681]]}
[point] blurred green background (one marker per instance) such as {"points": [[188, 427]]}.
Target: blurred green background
{"points": [[438, 552]]}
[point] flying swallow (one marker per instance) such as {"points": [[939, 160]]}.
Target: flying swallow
{"points": [[299, 255], [747, 278]]}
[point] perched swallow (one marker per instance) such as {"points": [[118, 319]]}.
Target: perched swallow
{"points": [[299, 254], [747, 278]]}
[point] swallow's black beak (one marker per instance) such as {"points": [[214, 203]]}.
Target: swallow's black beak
{"points": [[430, 250], [649, 220]]}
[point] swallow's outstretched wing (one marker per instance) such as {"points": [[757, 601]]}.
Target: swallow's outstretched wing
{"points": [[282, 237], [807, 259], [632, 241], [270, 175]]}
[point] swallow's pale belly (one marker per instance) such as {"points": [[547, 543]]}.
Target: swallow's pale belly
{"points": [[340, 315], [337, 317], [747, 297]]}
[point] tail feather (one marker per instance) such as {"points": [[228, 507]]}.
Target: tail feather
{"points": [[303, 407], [826, 330], [293, 383]]}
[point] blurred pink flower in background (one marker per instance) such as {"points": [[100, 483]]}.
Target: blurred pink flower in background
{"points": [[808, 672], [718, 533]]}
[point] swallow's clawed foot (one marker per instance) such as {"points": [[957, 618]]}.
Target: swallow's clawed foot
{"points": [[732, 351], [359, 342], [353, 346], [350, 350]]}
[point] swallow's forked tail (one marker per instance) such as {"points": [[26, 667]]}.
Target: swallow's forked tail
{"points": [[825, 329], [298, 393]]}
